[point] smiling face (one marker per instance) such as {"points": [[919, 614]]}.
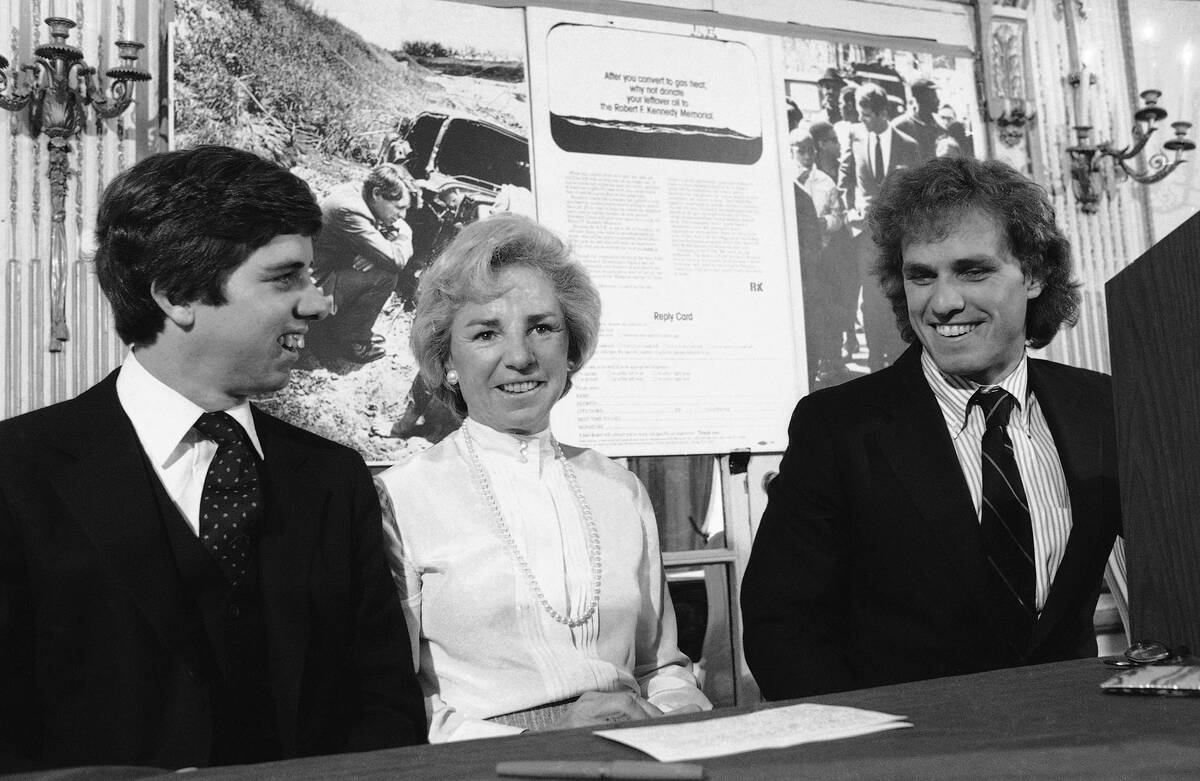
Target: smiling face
{"points": [[248, 345], [967, 298], [510, 353]]}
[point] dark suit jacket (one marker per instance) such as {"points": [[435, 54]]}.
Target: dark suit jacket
{"points": [[925, 131], [96, 663], [857, 184], [867, 567]]}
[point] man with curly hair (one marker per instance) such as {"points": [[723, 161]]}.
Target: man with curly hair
{"points": [[951, 513]]}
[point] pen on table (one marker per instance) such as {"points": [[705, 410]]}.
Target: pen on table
{"points": [[618, 768]]}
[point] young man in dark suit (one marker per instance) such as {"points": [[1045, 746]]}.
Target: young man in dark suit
{"points": [[952, 513], [185, 580]]}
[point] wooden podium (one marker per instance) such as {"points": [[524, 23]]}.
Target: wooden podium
{"points": [[1154, 336]]}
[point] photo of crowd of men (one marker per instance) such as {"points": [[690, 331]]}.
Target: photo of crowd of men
{"points": [[869, 122]]}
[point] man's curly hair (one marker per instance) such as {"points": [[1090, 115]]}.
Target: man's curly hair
{"points": [[925, 204]]}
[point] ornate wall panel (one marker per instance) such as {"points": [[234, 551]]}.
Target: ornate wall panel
{"points": [[1010, 105], [1115, 235], [32, 375]]}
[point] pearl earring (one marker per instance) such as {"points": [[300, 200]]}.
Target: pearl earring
{"points": [[452, 377]]}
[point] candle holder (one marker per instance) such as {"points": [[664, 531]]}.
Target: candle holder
{"points": [[1088, 176], [57, 90]]}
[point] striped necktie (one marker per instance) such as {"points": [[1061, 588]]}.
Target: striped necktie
{"points": [[231, 503], [1004, 523]]}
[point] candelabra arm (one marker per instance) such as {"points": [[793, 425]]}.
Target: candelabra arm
{"points": [[40, 82], [18, 99], [14, 102], [1140, 137], [1157, 170], [119, 98]]}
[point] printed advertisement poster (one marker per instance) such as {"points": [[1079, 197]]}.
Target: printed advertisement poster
{"points": [[656, 154]]}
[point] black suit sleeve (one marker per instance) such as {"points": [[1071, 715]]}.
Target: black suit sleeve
{"points": [[391, 708], [793, 592], [18, 704]]}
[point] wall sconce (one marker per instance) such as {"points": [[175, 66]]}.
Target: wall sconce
{"points": [[1088, 174], [57, 88]]}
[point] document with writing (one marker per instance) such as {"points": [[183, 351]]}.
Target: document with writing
{"points": [[771, 728]]}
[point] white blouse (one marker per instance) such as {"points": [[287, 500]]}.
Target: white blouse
{"points": [[484, 645]]}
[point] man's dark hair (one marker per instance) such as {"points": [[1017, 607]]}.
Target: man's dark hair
{"points": [[389, 181], [183, 221], [872, 97], [925, 204], [822, 131], [925, 95], [849, 109]]}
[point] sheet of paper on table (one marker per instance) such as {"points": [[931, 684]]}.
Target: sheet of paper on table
{"points": [[770, 728]]}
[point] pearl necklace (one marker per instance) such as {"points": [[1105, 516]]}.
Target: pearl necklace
{"points": [[593, 535]]}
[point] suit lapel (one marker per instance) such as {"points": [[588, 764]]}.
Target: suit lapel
{"points": [[106, 485], [917, 446], [1077, 437], [296, 506], [919, 451]]}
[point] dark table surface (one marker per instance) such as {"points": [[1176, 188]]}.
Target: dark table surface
{"points": [[1048, 721]]}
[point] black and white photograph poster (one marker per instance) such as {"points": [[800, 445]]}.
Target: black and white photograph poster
{"points": [[409, 120], [926, 102]]}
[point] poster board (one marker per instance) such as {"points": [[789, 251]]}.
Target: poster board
{"points": [[660, 149], [655, 155], [436, 87]]}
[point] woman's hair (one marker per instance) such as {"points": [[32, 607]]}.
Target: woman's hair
{"points": [[468, 270]]}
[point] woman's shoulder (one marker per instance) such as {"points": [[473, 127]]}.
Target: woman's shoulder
{"points": [[419, 468]]}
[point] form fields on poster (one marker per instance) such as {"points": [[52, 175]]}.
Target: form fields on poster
{"points": [[651, 156]]}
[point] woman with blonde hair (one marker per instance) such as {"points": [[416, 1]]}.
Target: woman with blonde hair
{"points": [[529, 570]]}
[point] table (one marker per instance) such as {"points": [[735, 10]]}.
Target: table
{"points": [[1046, 721]]}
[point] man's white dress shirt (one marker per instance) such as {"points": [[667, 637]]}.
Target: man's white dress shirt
{"points": [[1035, 452], [163, 420]]}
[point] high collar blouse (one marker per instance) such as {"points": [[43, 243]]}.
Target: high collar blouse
{"points": [[485, 645]]}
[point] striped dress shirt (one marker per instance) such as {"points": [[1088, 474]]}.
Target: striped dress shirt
{"points": [[1036, 456]]}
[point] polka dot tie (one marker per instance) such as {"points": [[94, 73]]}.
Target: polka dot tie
{"points": [[231, 503]]}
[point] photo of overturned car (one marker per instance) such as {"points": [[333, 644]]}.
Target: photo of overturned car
{"points": [[467, 168]]}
